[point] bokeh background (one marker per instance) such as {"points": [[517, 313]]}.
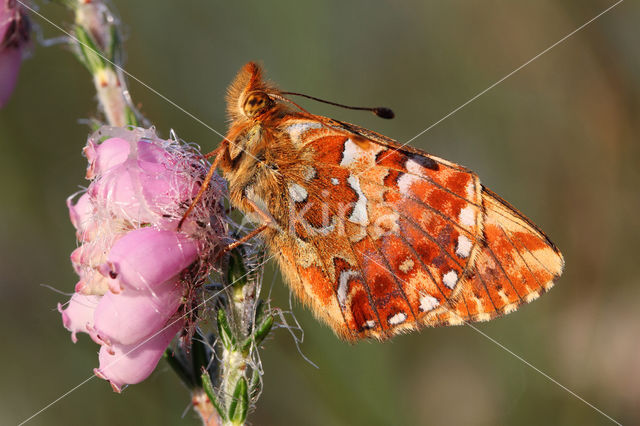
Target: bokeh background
{"points": [[559, 140]]}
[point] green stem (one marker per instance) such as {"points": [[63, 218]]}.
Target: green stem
{"points": [[241, 327]]}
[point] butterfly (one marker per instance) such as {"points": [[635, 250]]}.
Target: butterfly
{"points": [[377, 238]]}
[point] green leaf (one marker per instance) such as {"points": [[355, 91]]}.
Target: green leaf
{"points": [[255, 382], [208, 388], [114, 43], [224, 330], [263, 330], [89, 51], [236, 274], [259, 334], [261, 309], [240, 404], [130, 117]]}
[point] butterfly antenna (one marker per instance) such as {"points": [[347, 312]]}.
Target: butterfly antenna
{"points": [[381, 112], [289, 101]]}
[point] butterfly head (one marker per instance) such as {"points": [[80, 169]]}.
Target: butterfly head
{"points": [[247, 97], [256, 103]]}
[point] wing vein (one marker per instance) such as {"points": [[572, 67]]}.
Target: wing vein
{"points": [[363, 276], [521, 257]]}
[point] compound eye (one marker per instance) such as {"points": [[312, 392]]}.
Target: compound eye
{"points": [[256, 103]]}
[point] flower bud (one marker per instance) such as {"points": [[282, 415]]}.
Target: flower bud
{"points": [[14, 37]]}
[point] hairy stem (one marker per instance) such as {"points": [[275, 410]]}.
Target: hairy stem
{"points": [[99, 47]]}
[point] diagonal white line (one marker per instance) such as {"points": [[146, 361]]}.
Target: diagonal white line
{"points": [[501, 80], [524, 361], [61, 397], [67, 393], [418, 135], [551, 379], [133, 77]]}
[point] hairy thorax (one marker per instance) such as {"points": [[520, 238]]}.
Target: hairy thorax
{"points": [[261, 161]]}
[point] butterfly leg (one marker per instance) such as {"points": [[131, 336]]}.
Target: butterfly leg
{"points": [[212, 153], [268, 221], [218, 154], [243, 240]]}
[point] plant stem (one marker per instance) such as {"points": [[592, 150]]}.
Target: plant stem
{"points": [[99, 48]]}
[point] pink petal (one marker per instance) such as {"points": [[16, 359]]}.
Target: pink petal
{"points": [[82, 216], [5, 18], [121, 191], [132, 315], [141, 188], [122, 365], [161, 165], [164, 188], [105, 156], [150, 152], [78, 316], [146, 257], [10, 60]]}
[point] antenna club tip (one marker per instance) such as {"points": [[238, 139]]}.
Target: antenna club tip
{"points": [[383, 112]]}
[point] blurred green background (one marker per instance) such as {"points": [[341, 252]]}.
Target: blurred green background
{"points": [[559, 140]]}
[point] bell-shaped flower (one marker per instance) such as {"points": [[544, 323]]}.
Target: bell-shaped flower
{"points": [[14, 37], [137, 270]]}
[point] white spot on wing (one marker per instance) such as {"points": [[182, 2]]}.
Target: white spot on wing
{"points": [[450, 279], [467, 216], [463, 248], [414, 171], [297, 192], [406, 265], [297, 129], [370, 324], [350, 153], [343, 287], [428, 303], [310, 173], [413, 166], [471, 191], [398, 318], [359, 214], [335, 181], [405, 181]]}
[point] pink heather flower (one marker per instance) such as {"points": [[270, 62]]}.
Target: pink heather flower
{"points": [[137, 271], [14, 36]]}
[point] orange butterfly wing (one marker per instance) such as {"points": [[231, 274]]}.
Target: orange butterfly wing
{"points": [[389, 238]]}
